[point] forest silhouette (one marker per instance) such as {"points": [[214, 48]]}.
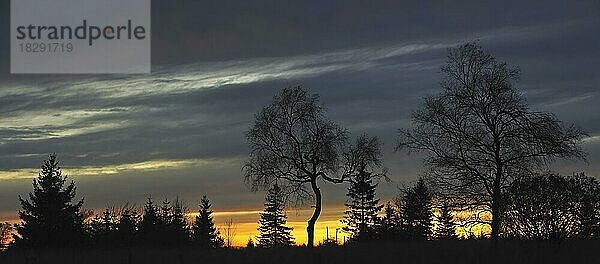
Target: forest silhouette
{"points": [[486, 196]]}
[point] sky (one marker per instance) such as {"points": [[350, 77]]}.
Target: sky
{"points": [[179, 131]]}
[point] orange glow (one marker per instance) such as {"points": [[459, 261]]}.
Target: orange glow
{"points": [[247, 223]]}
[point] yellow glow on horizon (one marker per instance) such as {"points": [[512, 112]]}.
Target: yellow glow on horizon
{"points": [[246, 222]]}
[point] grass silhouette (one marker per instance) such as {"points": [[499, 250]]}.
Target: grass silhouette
{"points": [[408, 251]]}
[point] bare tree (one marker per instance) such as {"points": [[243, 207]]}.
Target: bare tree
{"points": [[293, 143], [229, 231], [480, 134], [553, 206]]}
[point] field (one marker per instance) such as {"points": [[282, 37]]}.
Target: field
{"points": [[471, 251]]}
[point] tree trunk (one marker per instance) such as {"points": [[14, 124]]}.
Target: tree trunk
{"points": [[496, 212], [310, 229], [497, 195]]}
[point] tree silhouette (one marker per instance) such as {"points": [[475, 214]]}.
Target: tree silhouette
{"points": [[229, 231], [151, 223], [446, 225], [205, 235], [363, 207], [103, 227], [6, 232], [250, 243], [293, 143], [416, 211], [480, 134], [272, 228], [553, 207], [49, 217], [178, 231], [588, 211], [389, 226], [127, 226], [165, 215]]}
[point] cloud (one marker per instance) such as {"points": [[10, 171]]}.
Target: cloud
{"points": [[215, 66], [151, 165]]}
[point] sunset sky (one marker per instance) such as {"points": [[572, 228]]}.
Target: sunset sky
{"points": [[180, 130]]}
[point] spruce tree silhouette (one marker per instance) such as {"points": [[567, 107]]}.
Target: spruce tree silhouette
{"points": [[178, 227], [363, 207], [103, 226], [250, 243], [446, 225], [272, 228], [205, 235], [165, 215], [417, 211], [127, 226], [49, 218], [389, 226], [150, 224]]}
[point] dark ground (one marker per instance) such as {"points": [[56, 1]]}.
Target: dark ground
{"points": [[463, 252]]}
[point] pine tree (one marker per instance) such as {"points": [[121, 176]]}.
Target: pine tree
{"points": [[49, 217], [272, 228], [178, 226], [250, 243], [205, 235], [127, 226], [103, 227], [416, 211], [389, 226], [150, 224], [363, 207], [446, 228], [150, 217], [165, 214]]}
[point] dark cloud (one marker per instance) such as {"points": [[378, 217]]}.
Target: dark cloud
{"points": [[216, 64]]}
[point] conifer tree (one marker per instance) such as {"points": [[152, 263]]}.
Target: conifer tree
{"points": [[389, 226], [250, 243], [272, 228], [363, 207], [205, 235], [416, 211], [49, 217], [150, 216], [446, 226], [103, 227], [165, 214], [178, 226], [150, 224], [127, 226]]}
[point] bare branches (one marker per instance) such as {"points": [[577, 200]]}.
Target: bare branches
{"points": [[480, 134], [293, 144], [292, 141]]}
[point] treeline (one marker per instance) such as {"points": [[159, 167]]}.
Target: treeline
{"points": [[541, 207], [486, 155], [50, 219]]}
